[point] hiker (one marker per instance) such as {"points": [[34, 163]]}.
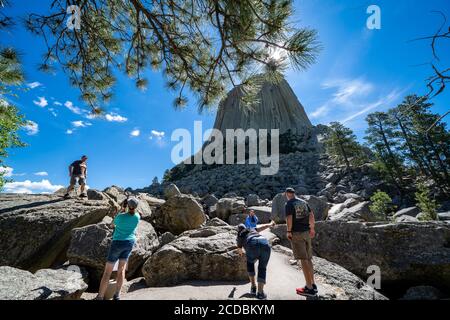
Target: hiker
{"points": [[300, 230], [78, 173], [256, 248], [124, 237], [251, 222]]}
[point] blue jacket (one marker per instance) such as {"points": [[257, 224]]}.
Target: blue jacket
{"points": [[251, 222]]}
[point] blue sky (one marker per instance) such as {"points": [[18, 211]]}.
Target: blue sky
{"points": [[359, 71]]}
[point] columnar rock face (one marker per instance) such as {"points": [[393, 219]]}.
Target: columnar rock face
{"points": [[35, 229], [278, 108], [45, 284], [417, 253], [208, 253]]}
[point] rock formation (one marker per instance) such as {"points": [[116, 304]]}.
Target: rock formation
{"points": [[45, 284], [415, 253], [277, 108], [35, 230], [208, 253]]}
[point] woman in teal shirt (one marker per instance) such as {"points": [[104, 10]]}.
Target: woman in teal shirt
{"points": [[124, 237]]}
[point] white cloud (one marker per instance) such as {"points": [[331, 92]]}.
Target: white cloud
{"points": [[7, 171], [157, 134], [135, 133], [81, 124], [69, 105], [384, 101], [33, 85], [114, 117], [31, 128], [348, 90], [69, 131], [57, 103], [41, 174], [27, 186], [41, 103]]}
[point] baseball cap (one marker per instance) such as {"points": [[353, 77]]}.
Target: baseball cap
{"points": [[290, 190], [132, 203]]}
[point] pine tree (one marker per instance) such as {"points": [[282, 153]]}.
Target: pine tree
{"points": [[427, 206], [381, 205], [381, 138], [342, 146], [204, 45], [10, 120]]}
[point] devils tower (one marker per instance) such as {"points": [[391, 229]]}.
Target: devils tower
{"points": [[277, 108]]}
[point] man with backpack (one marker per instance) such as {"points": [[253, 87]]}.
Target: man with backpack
{"points": [[78, 173]]}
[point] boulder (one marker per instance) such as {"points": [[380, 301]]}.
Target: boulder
{"points": [[216, 222], [280, 230], [35, 230], [444, 216], [406, 218], [153, 202], [45, 284], [144, 210], [209, 200], [319, 206], [278, 208], [165, 238], [171, 191], [412, 212], [252, 200], [236, 219], [116, 193], [178, 214], [359, 212], [225, 207], [422, 293], [335, 209], [93, 194], [90, 245], [417, 253], [208, 253]]}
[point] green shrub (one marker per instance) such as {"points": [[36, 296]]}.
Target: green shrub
{"points": [[381, 204], [427, 206]]}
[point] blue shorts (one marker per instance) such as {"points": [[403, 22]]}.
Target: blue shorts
{"points": [[120, 250]]}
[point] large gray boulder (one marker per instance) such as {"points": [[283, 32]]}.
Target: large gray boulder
{"points": [[411, 212], [90, 245], [208, 253], [171, 190], [278, 208], [319, 207], [45, 284], [359, 212], [178, 214], [252, 200], [116, 193], [225, 207], [417, 253], [209, 200], [35, 230]]}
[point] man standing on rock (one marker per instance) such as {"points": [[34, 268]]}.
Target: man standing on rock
{"points": [[300, 230], [78, 172]]}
